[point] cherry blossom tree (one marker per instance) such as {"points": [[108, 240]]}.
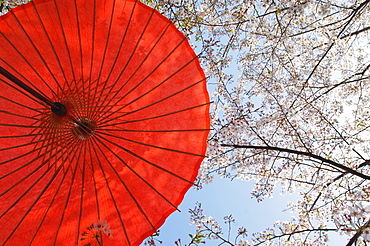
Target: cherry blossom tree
{"points": [[296, 113], [290, 90]]}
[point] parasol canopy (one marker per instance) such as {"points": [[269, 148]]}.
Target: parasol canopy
{"points": [[104, 116]]}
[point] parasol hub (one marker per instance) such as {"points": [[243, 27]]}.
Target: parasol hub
{"points": [[83, 128]]}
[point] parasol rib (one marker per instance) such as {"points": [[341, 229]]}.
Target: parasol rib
{"points": [[18, 146], [24, 178], [52, 47], [120, 45], [112, 196], [150, 145], [16, 103], [158, 116], [32, 161], [180, 91], [124, 184], [66, 204], [132, 54], [152, 104], [133, 171], [152, 164], [91, 151], [106, 50], [22, 136], [65, 42], [18, 115], [146, 77], [83, 152], [34, 203], [50, 205], [167, 130], [38, 52]]}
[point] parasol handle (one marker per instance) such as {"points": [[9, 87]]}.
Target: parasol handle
{"points": [[56, 107]]}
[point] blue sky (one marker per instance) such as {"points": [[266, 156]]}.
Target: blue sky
{"points": [[224, 197]]}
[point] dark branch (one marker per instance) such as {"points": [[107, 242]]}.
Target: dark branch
{"points": [[330, 162], [358, 233], [357, 32]]}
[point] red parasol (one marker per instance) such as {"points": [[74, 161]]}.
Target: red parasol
{"points": [[103, 122]]}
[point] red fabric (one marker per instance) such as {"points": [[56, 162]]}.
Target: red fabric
{"points": [[132, 78]]}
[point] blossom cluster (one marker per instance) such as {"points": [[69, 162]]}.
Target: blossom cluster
{"points": [[356, 218], [104, 227], [92, 234]]}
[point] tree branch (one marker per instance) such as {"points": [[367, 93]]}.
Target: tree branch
{"points": [[297, 232], [356, 33], [330, 162], [358, 233]]}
